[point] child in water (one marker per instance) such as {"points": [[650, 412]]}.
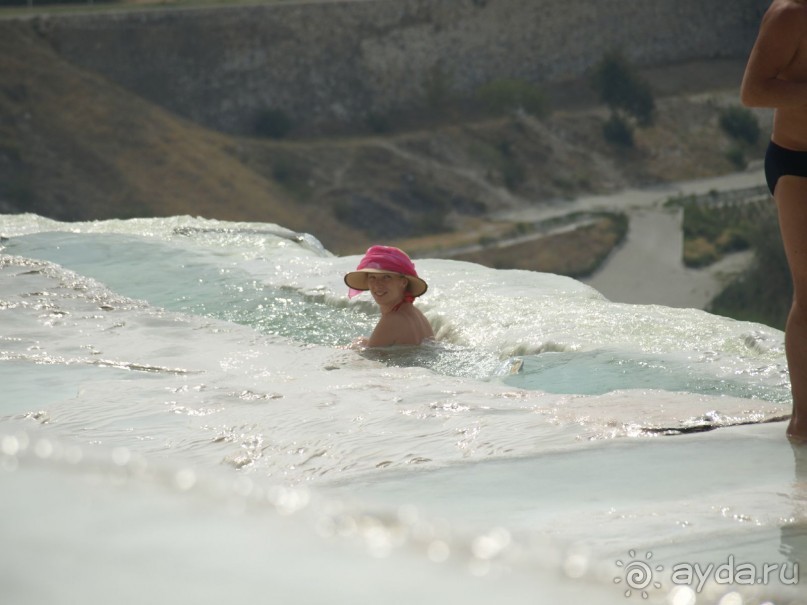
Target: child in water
{"points": [[390, 276]]}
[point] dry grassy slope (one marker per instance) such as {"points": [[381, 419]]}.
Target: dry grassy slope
{"points": [[75, 146]]}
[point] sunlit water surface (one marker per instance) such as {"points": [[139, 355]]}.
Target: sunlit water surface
{"points": [[180, 402]]}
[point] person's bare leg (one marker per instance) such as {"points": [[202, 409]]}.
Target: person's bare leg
{"points": [[791, 201]]}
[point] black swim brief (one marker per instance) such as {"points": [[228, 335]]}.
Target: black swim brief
{"points": [[780, 162]]}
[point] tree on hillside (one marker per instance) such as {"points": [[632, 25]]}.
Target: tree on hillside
{"points": [[621, 87], [626, 93]]}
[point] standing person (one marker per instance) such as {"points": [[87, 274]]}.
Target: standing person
{"points": [[776, 77], [390, 276]]}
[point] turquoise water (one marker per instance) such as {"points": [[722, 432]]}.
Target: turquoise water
{"points": [[179, 384], [208, 282]]}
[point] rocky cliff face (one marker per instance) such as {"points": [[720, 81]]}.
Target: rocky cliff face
{"points": [[330, 66]]}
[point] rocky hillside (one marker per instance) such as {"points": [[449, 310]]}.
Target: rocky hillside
{"points": [[74, 146]]}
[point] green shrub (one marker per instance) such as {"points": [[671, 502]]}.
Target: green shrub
{"points": [[500, 162], [700, 252], [273, 123], [507, 95], [513, 173], [711, 231], [618, 131], [432, 222], [294, 175], [379, 123], [763, 293], [285, 170], [620, 87], [740, 123], [705, 221], [437, 87], [734, 239], [343, 211], [736, 156]]}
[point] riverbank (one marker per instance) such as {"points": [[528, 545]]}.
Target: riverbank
{"points": [[648, 267]]}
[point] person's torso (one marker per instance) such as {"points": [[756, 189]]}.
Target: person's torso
{"points": [[790, 123]]}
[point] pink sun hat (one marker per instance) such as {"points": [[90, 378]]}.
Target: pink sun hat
{"points": [[385, 259]]}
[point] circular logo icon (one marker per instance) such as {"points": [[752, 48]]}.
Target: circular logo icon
{"points": [[638, 574]]}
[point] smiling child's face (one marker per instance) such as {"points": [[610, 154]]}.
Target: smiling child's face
{"points": [[387, 288]]}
